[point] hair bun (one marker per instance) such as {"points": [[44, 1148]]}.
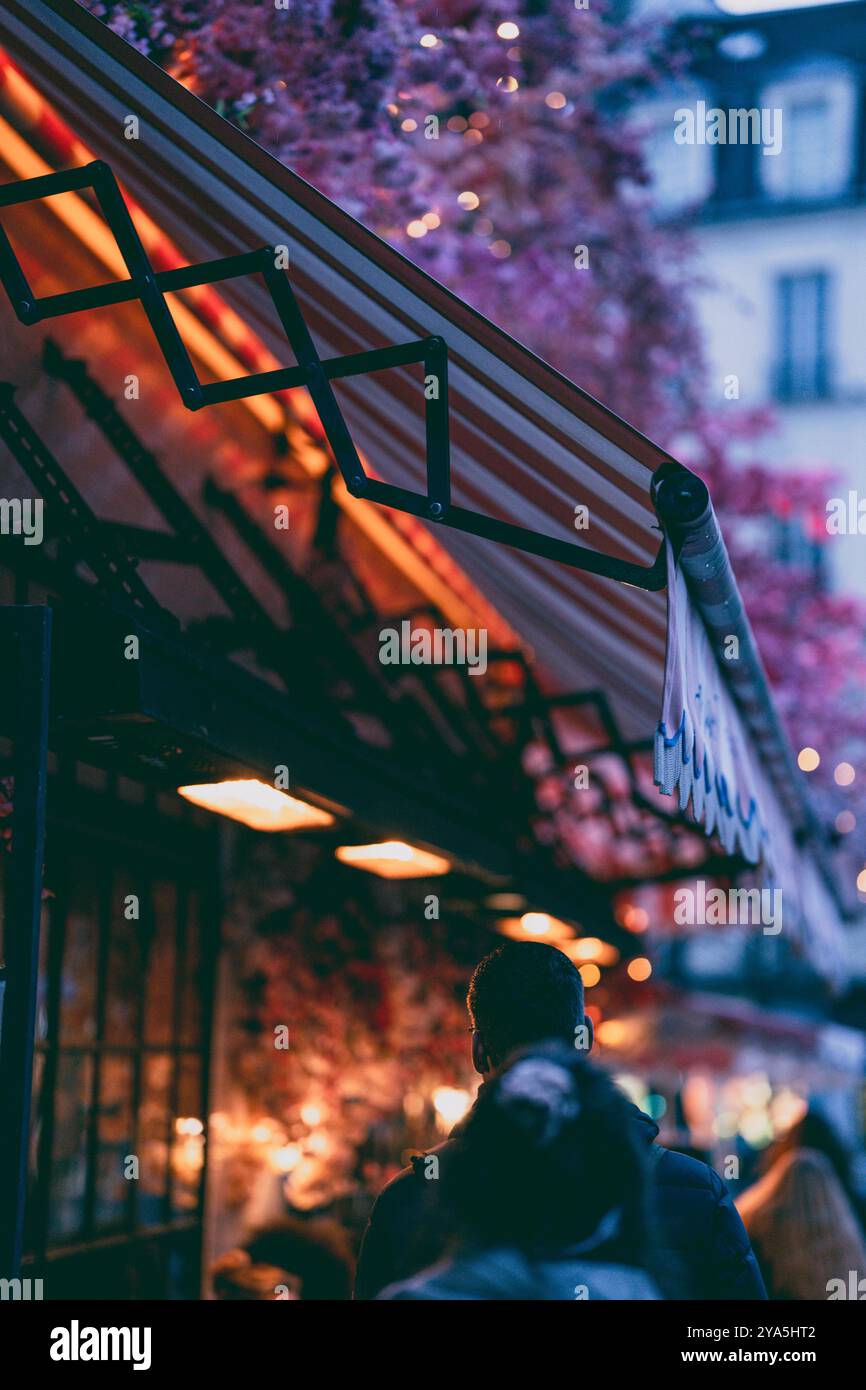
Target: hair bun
{"points": [[539, 1097]]}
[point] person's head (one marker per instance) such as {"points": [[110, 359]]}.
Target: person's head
{"points": [[290, 1258], [814, 1131], [521, 993], [802, 1223], [549, 1161]]}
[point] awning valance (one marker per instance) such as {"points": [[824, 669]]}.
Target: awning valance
{"points": [[739, 782]]}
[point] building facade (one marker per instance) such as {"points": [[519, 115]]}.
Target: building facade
{"points": [[773, 194]]}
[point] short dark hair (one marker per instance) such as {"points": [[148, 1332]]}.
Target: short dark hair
{"points": [[524, 992]]}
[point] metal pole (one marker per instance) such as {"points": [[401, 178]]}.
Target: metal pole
{"points": [[25, 635]]}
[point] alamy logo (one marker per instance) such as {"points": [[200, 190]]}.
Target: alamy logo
{"points": [[22, 516], [439, 646], [737, 126], [76, 1343], [715, 907]]}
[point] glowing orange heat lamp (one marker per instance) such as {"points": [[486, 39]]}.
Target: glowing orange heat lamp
{"points": [[256, 804], [393, 859], [535, 926]]}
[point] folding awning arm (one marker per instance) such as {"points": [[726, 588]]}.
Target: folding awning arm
{"points": [[150, 287]]}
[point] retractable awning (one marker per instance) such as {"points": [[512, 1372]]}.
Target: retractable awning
{"points": [[527, 446]]}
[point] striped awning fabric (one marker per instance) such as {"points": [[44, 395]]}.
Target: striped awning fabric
{"points": [[527, 445]]}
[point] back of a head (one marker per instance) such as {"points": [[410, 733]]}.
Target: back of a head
{"points": [[549, 1161], [310, 1259], [522, 993], [316, 1252], [800, 1217]]}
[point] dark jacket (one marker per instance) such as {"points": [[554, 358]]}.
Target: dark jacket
{"points": [[509, 1274], [702, 1250]]}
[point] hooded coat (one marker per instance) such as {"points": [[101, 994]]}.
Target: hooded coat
{"points": [[513, 1275], [701, 1249]]}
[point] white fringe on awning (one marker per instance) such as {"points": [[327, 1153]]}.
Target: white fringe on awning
{"points": [[701, 750], [704, 756]]}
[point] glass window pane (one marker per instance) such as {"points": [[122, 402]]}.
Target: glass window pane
{"points": [[78, 993], [187, 1156], [154, 1141], [193, 980], [114, 1139], [69, 1166], [127, 933], [159, 1010]]}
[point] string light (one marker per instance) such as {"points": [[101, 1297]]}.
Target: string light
{"points": [[555, 100], [469, 200], [808, 759], [428, 41], [844, 774], [639, 969], [188, 1125], [508, 84], [284, 1159], [635, 919], [508, 30]]}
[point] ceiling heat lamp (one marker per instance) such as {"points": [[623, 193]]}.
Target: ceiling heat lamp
{"points": [[393, 859], [536, 926], [256, 804]]}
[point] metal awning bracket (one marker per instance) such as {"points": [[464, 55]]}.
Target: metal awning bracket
{"points": [[311, 371]]}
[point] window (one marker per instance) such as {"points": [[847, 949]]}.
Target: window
{"points": [[802, 365], [817, 124], [119, 1112], [681, 175]]}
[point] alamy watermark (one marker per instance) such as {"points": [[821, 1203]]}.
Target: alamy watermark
{"points": [[853, 1288], [718, 907], [846, 516], [737, 126], [24, 1290], [438, 646], [77, 1343], [22, 516]]}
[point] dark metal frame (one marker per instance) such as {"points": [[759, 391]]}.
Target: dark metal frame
{"points": [[25, 637], [180, 853], [150, 287]]}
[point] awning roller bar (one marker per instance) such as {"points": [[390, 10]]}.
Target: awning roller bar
{"points": [[682, 501]]}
